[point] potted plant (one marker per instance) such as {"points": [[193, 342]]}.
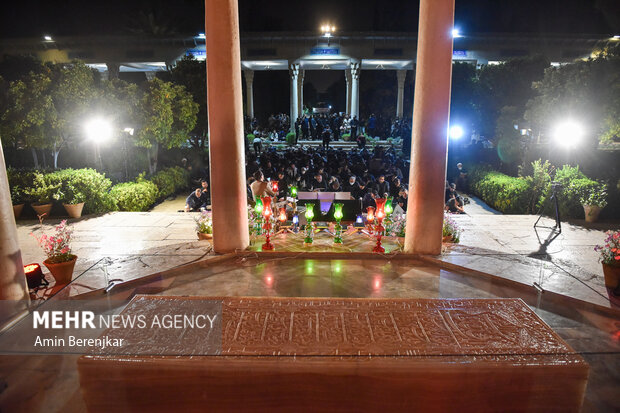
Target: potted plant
{"points": [[451, 230], [594, 200], [17, 197], [204, 225], [610, 258], [43, 194], [73, 201], [60, 262]]}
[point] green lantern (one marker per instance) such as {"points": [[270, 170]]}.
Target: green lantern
{"points": [[258, 208], [388, 207], [309, 227], [338, 216], [293, 191]]}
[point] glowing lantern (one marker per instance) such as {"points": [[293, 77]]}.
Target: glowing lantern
{"points": [[309, 227], [267, 213], [274, 186], [282, 216], [388, 207], [258, 208], [293, 191], [371, 214], [379, 227], [338, 216]]}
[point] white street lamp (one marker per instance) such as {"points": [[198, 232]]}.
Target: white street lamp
{"points": [[568, 133], [98, 130]]}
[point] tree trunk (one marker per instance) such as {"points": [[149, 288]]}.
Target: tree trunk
{"points": [[152, 159], [55, 152], [44, 158], [35, 158]]}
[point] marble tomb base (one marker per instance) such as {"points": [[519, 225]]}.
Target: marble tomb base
{"points": [[341, 355]]}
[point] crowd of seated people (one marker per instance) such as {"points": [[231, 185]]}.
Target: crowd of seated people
{"points": [[455, 203], [366, 175]]}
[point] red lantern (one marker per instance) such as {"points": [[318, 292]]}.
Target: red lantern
{"points": [[267, 213], [371, 214], [379, 227], [274, 186], [282, 216]]}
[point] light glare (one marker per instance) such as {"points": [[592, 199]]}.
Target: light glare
{"points": [[456, 132], [568, 133], [98, 130]]}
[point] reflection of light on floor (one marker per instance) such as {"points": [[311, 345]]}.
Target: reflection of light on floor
{"points": [[269, 280], [309, 267], [376, 283], [337, 266], [616, 335]]}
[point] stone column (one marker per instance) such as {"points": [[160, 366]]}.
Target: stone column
{"points": [[249, 92], [347, 77], [294, 72], [14, 297], [226, 139], [300, 93], [355, 85], [429, 144], [400, 80]]}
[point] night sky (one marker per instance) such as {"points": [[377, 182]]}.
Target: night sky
{"points": [[185, 17]]}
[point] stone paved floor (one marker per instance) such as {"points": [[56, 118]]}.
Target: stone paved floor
{"points": [[129, 245], [54, 383]]}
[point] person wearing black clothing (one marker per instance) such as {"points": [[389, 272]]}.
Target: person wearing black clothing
{"points": [[395, 188], [318, 183], [326, 138], [353, 187], [354, 124], [383, 186], [361, 141], [195, 201], [369, 199]]}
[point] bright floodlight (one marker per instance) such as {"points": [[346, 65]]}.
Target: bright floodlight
{"points": [[47, 38], [456, 132], [568, 133], [456, 33], [98, 130]]}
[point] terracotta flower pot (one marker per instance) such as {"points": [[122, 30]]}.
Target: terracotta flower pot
{"points": [[612, 276], [591, 212], [74, 210], [202, 235], [17, 210], [62, 271], [447, 238], [42, 209]]}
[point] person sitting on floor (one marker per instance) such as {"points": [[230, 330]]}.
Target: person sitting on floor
{"points": [[196, 201], [260, 187], [455, 204]]}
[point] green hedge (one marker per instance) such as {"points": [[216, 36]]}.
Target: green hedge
{"points": [[83, 185], [525, 195], [290, 138], [134, 196], [502, 192], [169, 181], [70, 186]]}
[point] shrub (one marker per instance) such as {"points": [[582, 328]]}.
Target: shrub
{"points": [[43, 190], [539, 182], [17, 195], [573, 182], [594, 194], [134, 196], [504, 193], [290, 138], [84, 185], [169, 181], [346, 136]]}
